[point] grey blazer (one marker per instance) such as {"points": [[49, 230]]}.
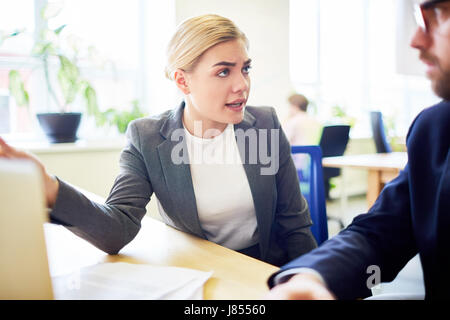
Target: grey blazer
{"points": [[146, 168]]}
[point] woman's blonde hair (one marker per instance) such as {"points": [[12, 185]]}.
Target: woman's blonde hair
{"points": [[196, 35]]}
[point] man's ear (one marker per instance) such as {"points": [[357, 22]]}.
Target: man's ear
{"points": [[181, 81]]}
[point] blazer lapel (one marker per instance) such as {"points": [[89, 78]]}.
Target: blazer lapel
{"points": [[178, 175], [261, 186], [179, 181]]}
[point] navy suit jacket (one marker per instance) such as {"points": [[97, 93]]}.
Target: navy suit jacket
{"points": [[411, 215]]}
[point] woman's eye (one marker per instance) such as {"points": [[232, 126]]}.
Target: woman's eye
{"points": [[246, 69], [223, 73]]}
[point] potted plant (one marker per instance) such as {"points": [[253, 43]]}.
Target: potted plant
{"points": [[60, 126], [120, 119], [339, 113]]}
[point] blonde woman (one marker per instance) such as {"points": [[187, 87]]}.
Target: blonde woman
{"points": [[220, 170]]}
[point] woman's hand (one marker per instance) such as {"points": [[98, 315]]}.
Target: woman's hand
{"points": [[51, 184]]}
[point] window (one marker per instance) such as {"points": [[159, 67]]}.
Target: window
{"points": [[14, 15], [109, 31], [344, 53], [121, 47]]}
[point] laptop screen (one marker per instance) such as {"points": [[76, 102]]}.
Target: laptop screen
{"points": [[24, 271]]}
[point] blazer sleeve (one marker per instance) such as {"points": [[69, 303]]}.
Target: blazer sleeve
{"points": [[109, 226], [292, 217]]}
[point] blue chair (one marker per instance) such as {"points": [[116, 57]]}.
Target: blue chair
{"points": [[379, 135], [333, 142], [311, 185]]}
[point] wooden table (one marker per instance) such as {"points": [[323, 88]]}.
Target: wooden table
{"points": [[382, 168], [236, 276]]}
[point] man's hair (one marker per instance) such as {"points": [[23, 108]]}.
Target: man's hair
{"points": [[299, 101]]}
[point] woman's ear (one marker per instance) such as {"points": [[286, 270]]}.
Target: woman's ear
{"points": [[181, 81]]}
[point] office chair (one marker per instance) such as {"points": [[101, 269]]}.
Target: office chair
{"points": [[311, 184], [381, 143], [333, 142]]}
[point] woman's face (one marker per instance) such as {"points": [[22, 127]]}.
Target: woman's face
{"points": [[217, 88]]}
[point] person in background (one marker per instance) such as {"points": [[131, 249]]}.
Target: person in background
{"points": [[209, 181], [300, 127], [412, 213]]}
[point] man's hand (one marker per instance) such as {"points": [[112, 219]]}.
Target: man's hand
{"points": [[51, 184], [303, 286]]}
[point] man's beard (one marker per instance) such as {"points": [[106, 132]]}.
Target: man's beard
{"points": [[441, 86], [441, 83]]}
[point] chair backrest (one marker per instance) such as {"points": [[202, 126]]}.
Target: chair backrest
{"points": [[333, 143], [379, 136], [334, 140], [311, 184]]}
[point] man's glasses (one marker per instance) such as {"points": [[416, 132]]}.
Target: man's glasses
{"points": [[425, 14]]}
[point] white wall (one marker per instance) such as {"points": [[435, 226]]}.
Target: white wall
{"points": [[266, 24], [92, 170], [407, 58]]}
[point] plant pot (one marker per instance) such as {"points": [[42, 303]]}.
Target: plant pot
{"points": [[60, 127]]}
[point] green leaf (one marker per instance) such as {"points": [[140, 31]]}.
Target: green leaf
{"points": [[43, 49], [120, 119], [70, 69], [16, 33], [103, 118], [59, 29], [51, 10], [338, 111], [123, 120], [4, 36], [68, 78], [91, 101], [17, 89]]}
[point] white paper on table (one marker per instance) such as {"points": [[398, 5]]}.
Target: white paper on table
{"points": [[126, 281]]}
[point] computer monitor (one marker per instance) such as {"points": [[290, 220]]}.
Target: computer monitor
{"points": [[24, 271]]}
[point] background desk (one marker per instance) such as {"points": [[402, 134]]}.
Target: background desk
{"points": [[235, 275], [382, 168]]}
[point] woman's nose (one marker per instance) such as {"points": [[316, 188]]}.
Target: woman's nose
{"points": [[241, 83]]}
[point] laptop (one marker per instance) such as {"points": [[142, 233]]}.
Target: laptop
{"points": [[24, 271]]}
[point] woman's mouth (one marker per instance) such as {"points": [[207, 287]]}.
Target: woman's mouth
{"points": [[236, 105]]}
